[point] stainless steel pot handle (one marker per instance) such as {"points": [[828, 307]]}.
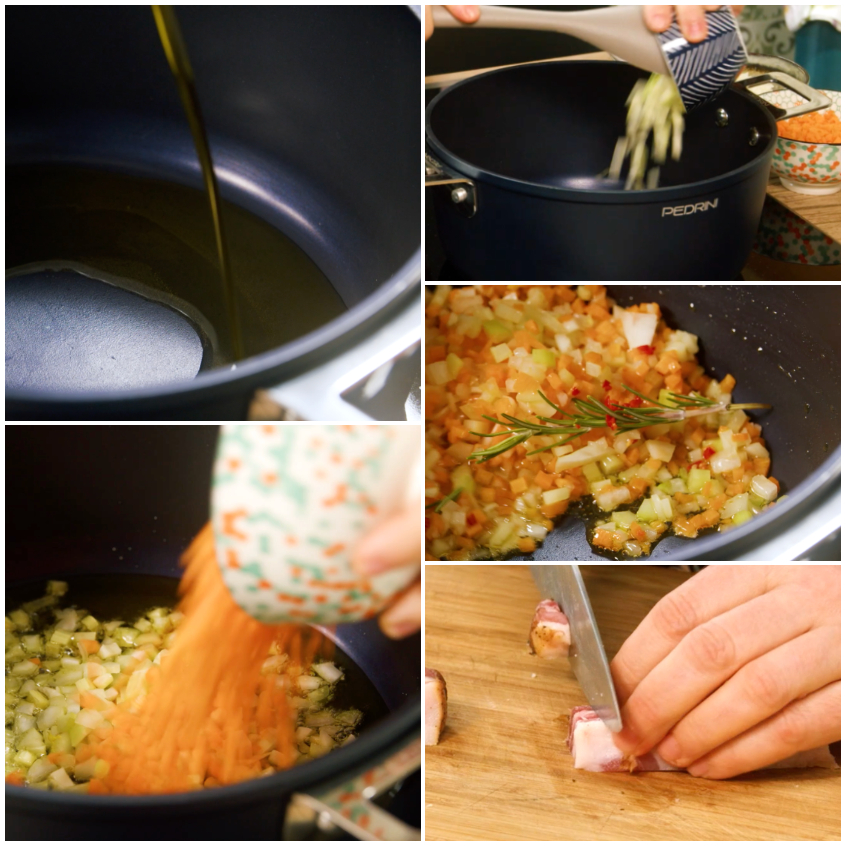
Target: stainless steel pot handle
{"points": [[775, 81], [350, 807], [463, 192], [319, 393]]}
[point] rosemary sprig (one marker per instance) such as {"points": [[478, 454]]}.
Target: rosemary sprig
{"points": [[442, 502], [593, 414]]}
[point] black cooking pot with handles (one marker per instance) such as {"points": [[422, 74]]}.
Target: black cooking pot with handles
{"points": [[514, 158], [110, 509], [313, 120]]}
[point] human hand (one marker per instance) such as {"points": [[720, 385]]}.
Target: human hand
{"points": [[691, 19], [465, 14], [395, 543], [736, 669]]}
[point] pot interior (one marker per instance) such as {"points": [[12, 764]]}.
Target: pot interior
{"points": [[111, 595], [115, 277], [555, 124]]}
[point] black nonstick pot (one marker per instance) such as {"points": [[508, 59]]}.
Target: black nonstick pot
{"points": [[515, 155], [782, 344], [313, 121], [110, 509]]}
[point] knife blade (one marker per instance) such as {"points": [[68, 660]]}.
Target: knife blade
{"points": [[564, 584]]}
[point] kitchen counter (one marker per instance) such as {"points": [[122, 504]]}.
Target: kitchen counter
{"points": [[502, 770]]}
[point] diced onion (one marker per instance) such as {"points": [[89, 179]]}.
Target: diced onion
{"points": [[761, 486], [638, 328], [662, 450]]}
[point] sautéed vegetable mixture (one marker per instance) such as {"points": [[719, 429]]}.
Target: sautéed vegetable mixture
{"points": [[539, 396], [70, 676]]}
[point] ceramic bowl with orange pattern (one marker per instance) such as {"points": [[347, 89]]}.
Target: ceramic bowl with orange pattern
{"points": [[289, 504], [800, 165]]}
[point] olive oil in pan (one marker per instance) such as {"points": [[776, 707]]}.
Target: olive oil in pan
{"points": [[152, 237], [177, 57]]}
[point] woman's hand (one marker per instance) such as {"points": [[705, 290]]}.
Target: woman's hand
{"points": [[465, 14], [396, 543], [691, 19], [736, 669]]}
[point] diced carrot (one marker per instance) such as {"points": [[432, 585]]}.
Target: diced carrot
{"points": [[519, 485], [728, 383], [637, 531], [543, 480], [554, 380], [526, 545], [437, 353]]}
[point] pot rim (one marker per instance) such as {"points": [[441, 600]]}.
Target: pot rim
{"points": [[398, 727], [582, 195], [263, 370]]}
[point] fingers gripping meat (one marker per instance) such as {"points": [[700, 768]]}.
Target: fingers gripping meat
{"points": [[592, 747], [436, 706], [549, 636]]}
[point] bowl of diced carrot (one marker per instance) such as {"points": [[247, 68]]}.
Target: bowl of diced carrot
{"points": [[807, 153]]}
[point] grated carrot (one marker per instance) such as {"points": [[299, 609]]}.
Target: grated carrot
{"points": [[814, 128], [209, 708]]}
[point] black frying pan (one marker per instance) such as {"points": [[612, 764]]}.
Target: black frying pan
{"points": [[782, 344], [110, 509]]}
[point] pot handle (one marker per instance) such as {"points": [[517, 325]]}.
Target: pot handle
{"points": [[319, 394], [775, 81], [349, 806], [463, 192]]}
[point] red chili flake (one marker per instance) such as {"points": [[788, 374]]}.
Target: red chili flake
{"points": [[709, 451], [646, 349], [637, 402], [471, 520], [606, 385], [428, 521], [610, 422], [575, 392]]}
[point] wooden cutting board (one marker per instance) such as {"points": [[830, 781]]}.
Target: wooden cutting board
{"points": [[502, 770]]}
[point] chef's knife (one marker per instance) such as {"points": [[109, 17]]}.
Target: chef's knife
{"points": [[563, 583]]}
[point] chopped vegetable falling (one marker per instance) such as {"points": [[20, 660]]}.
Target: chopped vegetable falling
{"points": [[164, 703], [656, 108]]}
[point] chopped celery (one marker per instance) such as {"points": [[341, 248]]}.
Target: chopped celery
{"points": [[624, 519], [647, 511], [611, 464], [496, 331], [462, 477], [125, 635], [21, 619], [741, 517], [696, 480], [592, 472], [544, 357], [454, 364]]}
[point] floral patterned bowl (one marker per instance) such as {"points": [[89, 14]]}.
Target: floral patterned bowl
{"points": [[289, 504], [800, 165], [784, 236]]}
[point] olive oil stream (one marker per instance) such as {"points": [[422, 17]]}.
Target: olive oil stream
{"points": [[177, 57]]}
